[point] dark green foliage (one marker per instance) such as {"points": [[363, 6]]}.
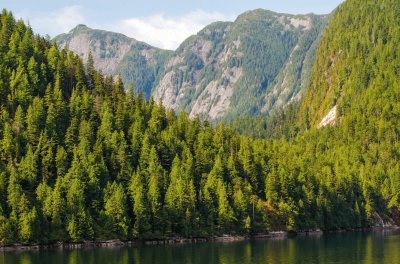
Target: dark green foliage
{"points": [[82, 159], [137, 69], [356, 70], [277, 125]]}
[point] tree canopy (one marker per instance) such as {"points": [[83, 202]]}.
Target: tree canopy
{"points": [[83, 159]]}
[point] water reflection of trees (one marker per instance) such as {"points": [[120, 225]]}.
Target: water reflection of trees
{"points": [[356, 247]]}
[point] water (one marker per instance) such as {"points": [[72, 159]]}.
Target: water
{"points": [[372, 247]]}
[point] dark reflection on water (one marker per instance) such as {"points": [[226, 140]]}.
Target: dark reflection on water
{"points": [[357, 247]]}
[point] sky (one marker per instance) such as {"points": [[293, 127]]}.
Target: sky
{"points": [[161, 23]]}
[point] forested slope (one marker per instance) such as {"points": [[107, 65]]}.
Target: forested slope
{"points": [[356, 153], [83, 159]]}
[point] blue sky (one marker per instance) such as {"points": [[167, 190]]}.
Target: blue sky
{"points": [[162, 23]]}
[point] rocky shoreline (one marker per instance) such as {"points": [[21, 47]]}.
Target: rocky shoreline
{"points": [[170, 241], [117, 243], [120, 243]]}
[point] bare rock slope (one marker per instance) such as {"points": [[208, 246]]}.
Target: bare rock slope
{"points": [[114, 53], [257, 64]]}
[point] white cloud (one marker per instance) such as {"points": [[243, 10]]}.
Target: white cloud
{"points": [[58, 21], [167, 32], [159, 30]]}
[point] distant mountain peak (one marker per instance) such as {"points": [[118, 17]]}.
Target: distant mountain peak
{"points": [[79, 28], [256, 64]]}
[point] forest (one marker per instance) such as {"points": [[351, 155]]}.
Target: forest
{"points": [[81, 158]]}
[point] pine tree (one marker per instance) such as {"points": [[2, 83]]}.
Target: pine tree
{"points": [[35, 119], [91, 71], [115, 205], [137, 188]]}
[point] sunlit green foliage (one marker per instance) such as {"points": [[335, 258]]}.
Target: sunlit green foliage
{"points": [[83, 159]]}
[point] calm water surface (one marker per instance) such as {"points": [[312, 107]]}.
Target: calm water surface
{"points": [[373, 247]]}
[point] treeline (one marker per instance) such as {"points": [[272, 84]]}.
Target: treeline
{"points": [[83, 159], [281, 123]]}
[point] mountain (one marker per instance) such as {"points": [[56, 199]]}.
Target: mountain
{"points": [[82, 159], [115, 53], [256, 64], [253, 65]]}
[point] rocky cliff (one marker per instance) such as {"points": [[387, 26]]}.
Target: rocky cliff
{"points": [[256, 64], [114, 53]]}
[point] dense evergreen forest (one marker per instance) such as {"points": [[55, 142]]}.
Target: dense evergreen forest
{"points": [[281, 123], [356, 70], [83, 159]]}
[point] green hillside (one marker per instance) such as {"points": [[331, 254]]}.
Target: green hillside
{"points": [[83, 159], [356, 70], [357, 66]]}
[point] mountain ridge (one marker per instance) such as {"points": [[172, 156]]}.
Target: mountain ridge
{"points": [[256, 64], [114, 52]]}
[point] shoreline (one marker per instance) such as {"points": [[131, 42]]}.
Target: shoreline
{"points": [[117, 243], [177, 240], [151, 242]]}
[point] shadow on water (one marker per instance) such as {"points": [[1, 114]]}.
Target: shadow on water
{"points": [[354, 247]]}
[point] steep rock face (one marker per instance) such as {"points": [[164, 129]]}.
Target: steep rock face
{"points": [[330, 118], [292, 81], [256, 64], [192, 80], [114, 53], [108, 49]]}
